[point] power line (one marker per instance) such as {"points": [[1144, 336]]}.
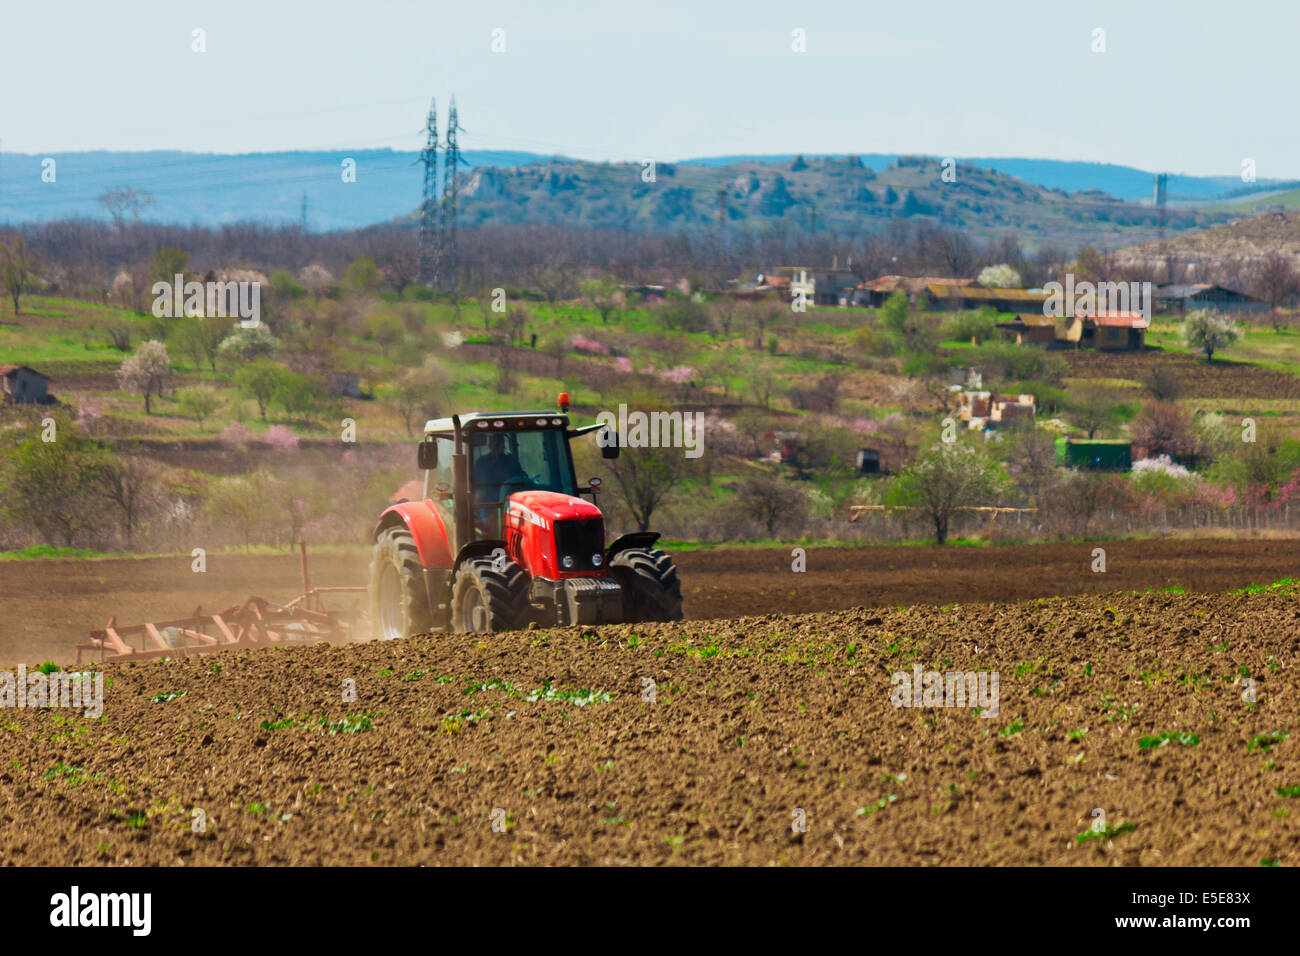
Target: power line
{"points": [[451, 160], [430, 231]]}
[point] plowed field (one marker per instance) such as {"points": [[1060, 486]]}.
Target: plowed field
{"points": [[754, 740], [47, 607]]}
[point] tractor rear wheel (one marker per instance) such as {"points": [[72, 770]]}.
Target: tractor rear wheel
{"points": [[399, 603], [489, 596], [651, 590]]}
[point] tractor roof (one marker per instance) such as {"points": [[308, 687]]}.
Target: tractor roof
{"points": [[474, 421]]}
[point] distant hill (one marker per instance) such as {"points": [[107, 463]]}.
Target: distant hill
{"points": [[1122, 182], [1246, 239], [842, 195], [991, 196]]}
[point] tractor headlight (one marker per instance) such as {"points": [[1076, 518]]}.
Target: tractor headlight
{"points": [[567, 561], [597, 560]]}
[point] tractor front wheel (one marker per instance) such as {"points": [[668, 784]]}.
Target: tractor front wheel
{"points": [[399, 603], [489, 596], [651, 591]]}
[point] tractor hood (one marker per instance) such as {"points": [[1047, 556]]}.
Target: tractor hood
{"points": [[543, 508]]}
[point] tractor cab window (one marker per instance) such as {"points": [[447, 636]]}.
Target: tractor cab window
{"points": [[442, 474], [507, 462], [503, 462]]}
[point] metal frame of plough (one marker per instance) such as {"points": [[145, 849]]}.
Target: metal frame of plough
{"points": [[256, 622]]}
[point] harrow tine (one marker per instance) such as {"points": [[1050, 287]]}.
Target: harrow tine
{"points": [[256, 622]]}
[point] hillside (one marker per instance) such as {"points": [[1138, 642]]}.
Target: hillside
{"points": [[839, 195], [1122, 182], [1247, 239]]}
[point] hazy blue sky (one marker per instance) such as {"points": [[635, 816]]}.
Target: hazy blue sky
{"points": [[1187, 86]]}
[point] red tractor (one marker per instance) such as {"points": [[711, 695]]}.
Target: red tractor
{"points": [[502, 538]]}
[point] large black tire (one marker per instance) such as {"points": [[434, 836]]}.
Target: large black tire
{"points": [[651, 591], [484, 599], [399, 602]]}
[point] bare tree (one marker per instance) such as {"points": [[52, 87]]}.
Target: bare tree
{"points": [[18, 268], [1093, 409], [130, 484], [644, 478], [1277, 283], [772, 500], [416, 395], [125, 199]]}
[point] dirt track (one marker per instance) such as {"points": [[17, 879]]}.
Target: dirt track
{"points": [[48, 606], [756, 723]]}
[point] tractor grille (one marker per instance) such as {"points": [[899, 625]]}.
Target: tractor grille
{"points": [[581, 539]]}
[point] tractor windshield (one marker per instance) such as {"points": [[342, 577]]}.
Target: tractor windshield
{"points": [[503, 462]]}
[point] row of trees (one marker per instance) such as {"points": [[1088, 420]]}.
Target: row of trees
{"points": [[83, 257]]}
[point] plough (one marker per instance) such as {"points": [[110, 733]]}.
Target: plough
{"points": [[256, 622]]}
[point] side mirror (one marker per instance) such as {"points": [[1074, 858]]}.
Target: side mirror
{"points": [[608, 443], [427, 455]]}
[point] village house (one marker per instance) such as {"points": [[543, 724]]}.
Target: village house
{"points": [[1032, 328], [1107, 331], [20, 384], [1179, 299], [833, 286], [984, 409], [1113, 331], [875, 293], [958, 298]]}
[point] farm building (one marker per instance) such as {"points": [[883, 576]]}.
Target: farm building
{"points": [[957, 298], [1108, 331], [1114, 331], [868, 461], [20, 384], [1096, 454], [988, 409], [833, 286], [875, 293], [1030, 328], [1178, 299]]}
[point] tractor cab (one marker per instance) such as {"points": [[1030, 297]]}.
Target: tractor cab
{"points": [[503, 454]]}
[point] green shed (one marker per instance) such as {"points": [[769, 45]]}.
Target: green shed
{"points": [[1096, 453]]}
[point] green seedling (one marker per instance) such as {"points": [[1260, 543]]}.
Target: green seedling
{"points": [[1264, 741], [878, 805], [1105, 834]]}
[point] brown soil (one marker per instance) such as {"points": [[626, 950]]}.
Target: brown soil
{"points": [[49, 606], [1222, 378], [756, 722]]}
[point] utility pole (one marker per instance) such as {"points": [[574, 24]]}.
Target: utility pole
{"points": [[451, 160], [1162, 197], [304, 212], [430, 227]]}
